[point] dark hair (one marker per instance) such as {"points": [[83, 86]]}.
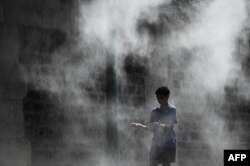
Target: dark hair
{"points": [[162, 91]]}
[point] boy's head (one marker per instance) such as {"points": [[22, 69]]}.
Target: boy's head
{"points": [[162, 94]]}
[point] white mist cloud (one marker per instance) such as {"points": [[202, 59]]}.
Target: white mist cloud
{"points": [[113, 23], [111, 26], [211, 39]]}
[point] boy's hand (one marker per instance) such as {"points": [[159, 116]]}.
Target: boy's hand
{"points": [[135, 124], [138, 125]]}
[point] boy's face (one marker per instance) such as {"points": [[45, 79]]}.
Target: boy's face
{"points": [[162, 99]]}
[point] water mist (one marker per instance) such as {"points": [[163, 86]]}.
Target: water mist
{"points": [[190, 46]]}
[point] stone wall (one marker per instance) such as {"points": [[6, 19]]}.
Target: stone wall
{"points": [[15, 148], [25, 112]]}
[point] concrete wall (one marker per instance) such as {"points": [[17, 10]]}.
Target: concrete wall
{"points": [[18, 19], [15, 149]]}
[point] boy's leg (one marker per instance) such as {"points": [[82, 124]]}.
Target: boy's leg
{"points": [[165, 164], [153, 153], [153, 163]]}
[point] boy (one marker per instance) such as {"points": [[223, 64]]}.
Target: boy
{"points": [[162, 120]]}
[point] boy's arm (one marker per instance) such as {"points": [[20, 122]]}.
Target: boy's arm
{"points": [[149, 126], [161, 125], [153, 126], [138, 125], [165, 126]]}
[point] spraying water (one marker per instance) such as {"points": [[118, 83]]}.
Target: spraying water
{"points": [[190, 44], [204, 47]]}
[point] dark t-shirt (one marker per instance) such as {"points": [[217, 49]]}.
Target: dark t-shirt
{"points": [[166, 115]]}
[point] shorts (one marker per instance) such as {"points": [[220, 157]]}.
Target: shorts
{"points": [[162, 154]]}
